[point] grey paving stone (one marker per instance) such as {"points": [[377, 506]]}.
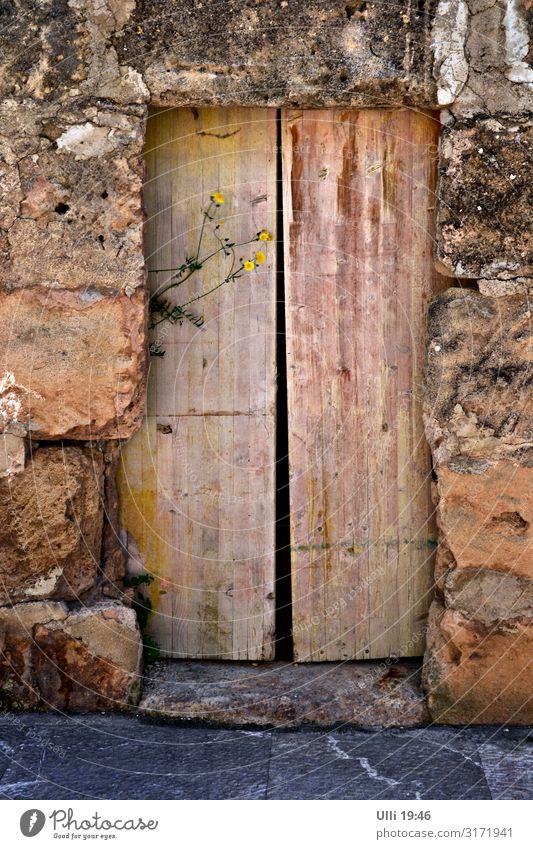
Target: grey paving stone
{"points": [[51, 719], [425, 764], [10, 741], [140, 762], [507, 760], [129, 757]]}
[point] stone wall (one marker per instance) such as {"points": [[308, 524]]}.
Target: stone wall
{"points": [[479, 398], [76, 77]]}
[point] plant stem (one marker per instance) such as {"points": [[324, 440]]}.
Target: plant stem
{"points": [[206, 216], [202, 261], [199, 297]]}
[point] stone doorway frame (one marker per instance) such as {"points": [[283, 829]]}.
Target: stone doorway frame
{"points": [[76, 89]]}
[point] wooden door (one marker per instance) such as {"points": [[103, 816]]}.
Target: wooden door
{"points": [[358, 211], [197, 483]]}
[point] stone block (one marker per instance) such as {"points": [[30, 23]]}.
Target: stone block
{"points": [[496, 288], [77, 363], [65, 52], [485, 199], [80, 660], [78, 223], [488, 596], [479, 422], [475, 674], [286, 695], [485, 514], [91, 660], [248, 52], [71, 196], [17, 649], [51, 525], [12, 454], [483, 56], [301, 53], [478, 400]]}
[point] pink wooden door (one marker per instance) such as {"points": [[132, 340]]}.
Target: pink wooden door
{"points": [[358, 210]]}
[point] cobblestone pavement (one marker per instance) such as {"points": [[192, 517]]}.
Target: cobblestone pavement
{"points": [[95, 756]]}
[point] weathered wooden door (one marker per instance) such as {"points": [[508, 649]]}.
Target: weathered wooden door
{"points": [[358, 209], [198, 489]]}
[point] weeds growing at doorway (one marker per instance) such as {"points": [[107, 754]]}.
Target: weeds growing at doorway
{"points": [[161, 307]]}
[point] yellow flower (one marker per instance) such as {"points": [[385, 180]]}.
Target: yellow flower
{"points": [[248, 265], [217, 197], [260, 257], [265, 236]]}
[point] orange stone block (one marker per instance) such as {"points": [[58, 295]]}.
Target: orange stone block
{"points": [[485, 514], [73, 364], [478, 675]]}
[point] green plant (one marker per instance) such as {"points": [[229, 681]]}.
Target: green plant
{"points": [[137, 580], [151, 650], [142, 605], [161, 307]]}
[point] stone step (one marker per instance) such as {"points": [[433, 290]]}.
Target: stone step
{"points": [[286, 695]]}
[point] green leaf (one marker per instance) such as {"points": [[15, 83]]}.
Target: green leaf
{"points": [[137, 580]]}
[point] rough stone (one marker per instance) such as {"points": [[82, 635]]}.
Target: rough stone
{"points": [[72, 212], [503, 288], [483, 56], [71, 238], [479, 422], [485, 199], [285, 695], [51, 526], [478, 401], [17, 648], [265, 52], [488, 596], [478, 675], [450, 28], [66, 52], [81, 660], [92, 348], [89, 661], [486, 515], [444, 561], [251, 52], [12, 454]]}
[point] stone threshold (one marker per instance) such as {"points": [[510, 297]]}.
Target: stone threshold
{"points": [[286, 695]]}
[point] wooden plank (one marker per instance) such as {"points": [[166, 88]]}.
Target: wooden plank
{"points": [[358, 223], [197, 484]]}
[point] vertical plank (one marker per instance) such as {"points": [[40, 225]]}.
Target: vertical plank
{"points": [[197, 483], [358, 223]]}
